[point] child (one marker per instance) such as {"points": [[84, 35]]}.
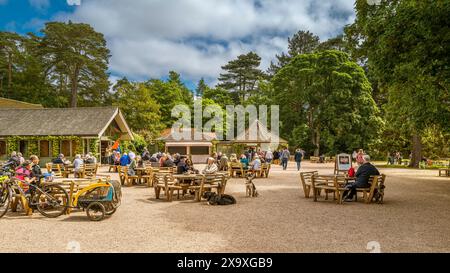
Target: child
{"points": [[23, 173]]}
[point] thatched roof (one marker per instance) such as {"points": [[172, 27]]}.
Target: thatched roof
{"points": [[15, 104], [88, 121], [261, 134]]}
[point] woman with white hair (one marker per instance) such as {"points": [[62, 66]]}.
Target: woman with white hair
{"points": [[77, 166], [133, 165], [211, 167]]}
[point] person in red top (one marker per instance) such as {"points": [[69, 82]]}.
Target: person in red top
{"points": [[351, 172], [23, 173]]}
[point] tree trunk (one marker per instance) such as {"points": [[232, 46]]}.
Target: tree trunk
{"points": [[317, 141], [416, 151], [9, 71], [74, 88]]}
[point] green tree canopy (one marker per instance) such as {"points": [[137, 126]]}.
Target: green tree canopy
{"points": [[76, 57], [331, 95], [241, 76], [406, 46]]}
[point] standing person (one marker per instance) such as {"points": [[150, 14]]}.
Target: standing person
{"points": [[108, 154], [298, 158], [360, 157], [77, 166], [285, 155], [269, 156], [276, 157]]}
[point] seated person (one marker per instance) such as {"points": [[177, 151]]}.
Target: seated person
{"points": [[351, 172], [36, 171], [125, 160], [255, 166], [90, 159], [77, 166], [362, 177], [182, 167], [211, 167], [59, 160], [146, 155], [223, 162], [168, 162], [133, 165], [233, 158], [244, 161], [23, 173], [191, 166]]}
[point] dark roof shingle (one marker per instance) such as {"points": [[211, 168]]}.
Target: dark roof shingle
{"points": [[89, 121]]}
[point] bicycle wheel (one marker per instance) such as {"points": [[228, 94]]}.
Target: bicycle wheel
{"points": [[5, 200], [110, 209], [52, 201], [96, 211]]}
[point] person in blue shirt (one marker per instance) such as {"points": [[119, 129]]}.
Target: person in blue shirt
{"points": [[125, 160], [244, 161]]}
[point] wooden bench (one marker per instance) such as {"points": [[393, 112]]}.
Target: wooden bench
{"points": [[314, 159], [329, 184], [445, 171], [306, 181], [57, 169], [165, 182], [265, 169], [113, 168], [89, 170], [125, 178], [376, 186], [210, 182], [236, 167]]}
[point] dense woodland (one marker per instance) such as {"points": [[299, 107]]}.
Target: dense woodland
{"points": [[382, 85]]}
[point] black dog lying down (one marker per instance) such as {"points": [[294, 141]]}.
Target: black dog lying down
{"points": [[214, 199]]}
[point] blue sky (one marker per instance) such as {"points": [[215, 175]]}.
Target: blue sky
{"points": [[148, 38]]}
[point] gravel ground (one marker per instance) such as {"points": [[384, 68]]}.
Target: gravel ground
{"points": [[414, 218]]}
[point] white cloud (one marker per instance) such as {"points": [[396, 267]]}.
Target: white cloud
{"points": [[39, 4], [197, 37]]}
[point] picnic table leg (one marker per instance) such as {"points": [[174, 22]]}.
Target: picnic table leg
{"points": [[70, 201], [28, 211], [14, 204]]}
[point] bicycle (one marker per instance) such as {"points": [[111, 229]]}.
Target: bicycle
{"points": [[49, 199]]}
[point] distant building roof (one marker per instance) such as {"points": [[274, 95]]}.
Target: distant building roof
{"points": [[83, 121], [15, 104], [168, 136], [257, 132]]}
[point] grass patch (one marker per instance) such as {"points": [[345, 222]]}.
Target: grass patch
{"points": [[406, 167]]}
